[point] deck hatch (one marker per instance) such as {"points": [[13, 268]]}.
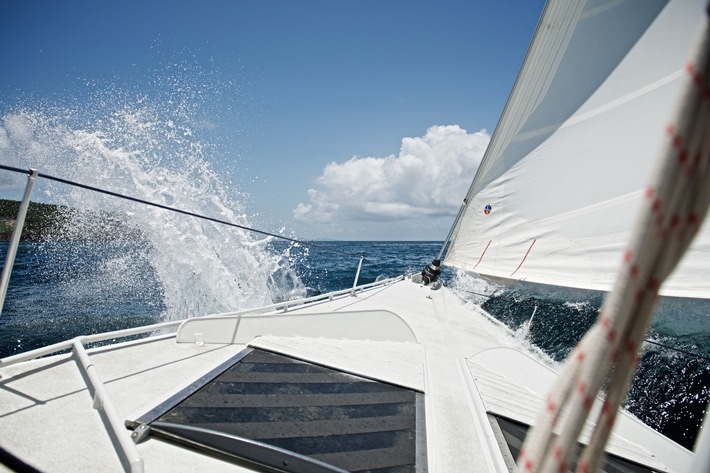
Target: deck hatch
{"points": [[267, 402], [513, 434]]}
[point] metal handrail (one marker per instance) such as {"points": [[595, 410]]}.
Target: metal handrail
{"points": [[102, 402], [287, 304], [99, 337], [15, 239], [357, 276]]}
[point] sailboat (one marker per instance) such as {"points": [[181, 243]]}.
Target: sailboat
{"points": [[402, 375]]}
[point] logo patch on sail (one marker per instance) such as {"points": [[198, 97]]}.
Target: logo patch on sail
{"points": [[487, 209]]}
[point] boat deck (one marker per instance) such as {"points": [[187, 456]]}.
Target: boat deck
{"points": [[422, 342]]}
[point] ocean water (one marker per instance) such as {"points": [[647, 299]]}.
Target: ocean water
{"points": [[62, 289]]}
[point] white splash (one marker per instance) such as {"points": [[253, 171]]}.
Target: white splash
{"points": [[149, 151]]}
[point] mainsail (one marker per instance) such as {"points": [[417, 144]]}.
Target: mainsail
{"points": [[565, 173]]}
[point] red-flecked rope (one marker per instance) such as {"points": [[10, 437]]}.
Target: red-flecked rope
{"points": [[675, 206]]}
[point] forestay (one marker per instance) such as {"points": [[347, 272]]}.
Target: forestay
{"points": [[564, 175]]}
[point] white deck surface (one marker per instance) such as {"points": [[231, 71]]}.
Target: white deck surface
{"points": [[47, 418]]}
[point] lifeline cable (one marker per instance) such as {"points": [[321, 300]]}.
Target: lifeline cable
{"points": [[191, 214], [684, 352], [180, 211]]}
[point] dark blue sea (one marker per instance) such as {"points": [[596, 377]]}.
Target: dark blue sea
{"points": [[59, 290]]}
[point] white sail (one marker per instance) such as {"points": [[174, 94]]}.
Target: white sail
{"points": [[559, 187]]}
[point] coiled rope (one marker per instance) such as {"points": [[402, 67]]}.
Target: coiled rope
{"points": [[674, 208]]}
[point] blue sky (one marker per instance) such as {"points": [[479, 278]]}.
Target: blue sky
{"points": [[332, 119]]}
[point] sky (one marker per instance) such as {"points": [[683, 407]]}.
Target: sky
{"points": [[349, 120]]}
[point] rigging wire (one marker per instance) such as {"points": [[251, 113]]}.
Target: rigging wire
{"points": [[193, 214], [176, 210], [688, 353]]}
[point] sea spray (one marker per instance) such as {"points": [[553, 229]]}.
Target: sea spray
{"points": [[153, 151], [670, 389]]}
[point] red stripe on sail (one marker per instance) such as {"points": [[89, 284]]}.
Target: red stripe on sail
{"points": [[524, 258], [484, 252]]}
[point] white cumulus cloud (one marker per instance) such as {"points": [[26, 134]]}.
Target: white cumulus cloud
{"points": [[430, 177]]}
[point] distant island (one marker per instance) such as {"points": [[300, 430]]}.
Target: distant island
{"points": [[40, 218], [58, 222]]}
